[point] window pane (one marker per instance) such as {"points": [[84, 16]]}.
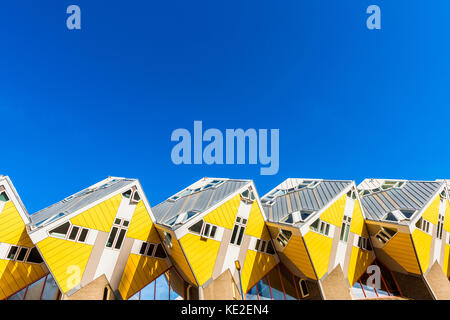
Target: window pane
{"points": [[61, 231], [150, 249], [264, 290], [83, 235], [213, 232], [22, 254], [12, 252], [197, 228], [148, 293], [207, 227], [127, 194], [233, 236], [35, 289], [252, 294], [143, 247], [120, 239], [162, 288], [160, 253], [34, 256], [241, 235], [117, 221], [18, 296], [50, 290], [111, 238], [73, 233], [3, 197]]}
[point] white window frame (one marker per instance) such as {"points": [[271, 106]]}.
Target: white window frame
{"points": [[207, 234]]}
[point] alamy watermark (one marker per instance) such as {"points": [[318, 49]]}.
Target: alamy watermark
{"points": [[235, 147]]}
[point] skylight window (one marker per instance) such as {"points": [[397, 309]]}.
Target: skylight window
{"points": [[4, 197]]}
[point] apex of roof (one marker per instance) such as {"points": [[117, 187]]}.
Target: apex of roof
{"points": [[304, 196], [196, 198], [396, 201], [78, 200]]}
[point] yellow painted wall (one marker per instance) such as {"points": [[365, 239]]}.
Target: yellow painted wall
{"points": [[255, 225], [335, 213], [179, 258], [319, 248], [256, 266], [101, 216], [447, 216], [422, 243], [225, 215], [63, 257], [139, 272], [431, 213], [12, 227], [15, 276], [400, 249], [141, 225], [360, 260], [201, 254], [297, 254], [358, 226], [446, 263]]}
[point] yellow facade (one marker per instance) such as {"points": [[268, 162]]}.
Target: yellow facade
{"points": [[431, 213], [224, 215], [141, 225], [319, 248], [201, 254], [422, 243], [99, 217], [400, 248], [66, 260], [256, 226], [335, 213], [15, 275], [256, 266], [360, 259], [296, 252], [139, 272]]}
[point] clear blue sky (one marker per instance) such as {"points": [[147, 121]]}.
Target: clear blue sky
{"points": [[78, 106]]}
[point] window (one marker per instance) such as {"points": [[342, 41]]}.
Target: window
{"points": [[68, 232], [4, 197], [117, 233], [61, 231], [148, 249], [34, 256], [208, 231], [440, 226], [24, 254], [264, 246], [423, 225], [345, 228], [238, 231], [12, 253], [385, 234], [197, 227], [133, 195], [321, 227], [303, 288], [159, 252], [283, 237], [364, 243], [248, 195], [167, 239]]}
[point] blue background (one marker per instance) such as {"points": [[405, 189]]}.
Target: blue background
{"points": [[350, 103]]}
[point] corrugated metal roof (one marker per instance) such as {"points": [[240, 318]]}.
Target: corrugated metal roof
{"points": [[198, 201], [79, 200], [312, 199], [412, 195]]}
